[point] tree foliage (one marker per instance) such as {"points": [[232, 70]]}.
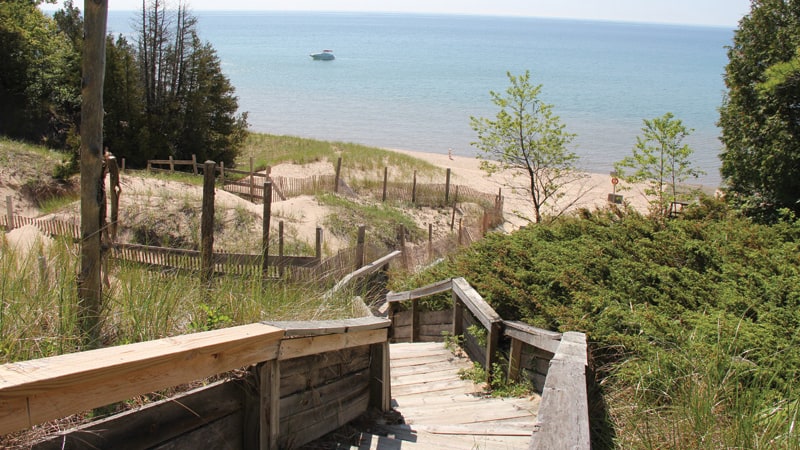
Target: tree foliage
{"points": [[660, 159], [526, 135], [760, 118], [165, 94]]}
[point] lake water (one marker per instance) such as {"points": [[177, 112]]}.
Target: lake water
{"points": [[413, 81]]}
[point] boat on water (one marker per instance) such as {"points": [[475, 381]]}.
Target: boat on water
{"points": [[325, 55]]}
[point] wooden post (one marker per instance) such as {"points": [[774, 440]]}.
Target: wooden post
{"points": [[270, 408], [338, 174], [447, 188], [414, 189], [90, 296], [280, 249], [362, 229], [194, 164], [453, 218], [10, 212], [514, 359], [113, 171], [492, 341], [207, 223], [414, 320], [385, 180], [380, 395], [460, 230], [265, 228], [222, 174], [252, 185], [171, 164], [430, 242], [318, 246], [458, 316]]}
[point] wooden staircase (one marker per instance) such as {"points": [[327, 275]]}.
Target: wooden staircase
{"points": [[439, 410]]}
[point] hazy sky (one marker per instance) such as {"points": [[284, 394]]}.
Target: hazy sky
{"points": [[697, 12]]}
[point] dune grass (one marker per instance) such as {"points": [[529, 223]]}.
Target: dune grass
{"points": [[38, 298], [266, 149]]}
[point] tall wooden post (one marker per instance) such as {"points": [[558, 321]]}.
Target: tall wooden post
{"points": [[207, 223], [265, 229], [280, 249], [430, 242], [447, 188], [318, 246], [338, 174], [360, 246], [385, 180], [194, 164], [92, 182], [414, 189], [252, 184], [10, 212]]}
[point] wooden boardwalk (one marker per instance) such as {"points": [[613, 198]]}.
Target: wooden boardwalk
{"points": [[441, 411]]}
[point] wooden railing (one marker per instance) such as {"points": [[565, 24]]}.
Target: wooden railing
{"points": [[290, 365], [556, 363]]}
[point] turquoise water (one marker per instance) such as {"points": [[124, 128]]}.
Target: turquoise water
{"points": [[412, 81]]}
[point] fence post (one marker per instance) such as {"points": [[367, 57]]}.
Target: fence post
{"points": [[10, 212], [194, 163], [207, 223], [458, 316], [385, 180], [514, 359], [447, 188], [171, 164], [222, 174], [360, 246], [460, 230], [492, 341], [414, 189], [338, 174], [430, 242], [280, 249], [380, 386], [265, 227], [318, 246], [414, 320], [252, 184]]}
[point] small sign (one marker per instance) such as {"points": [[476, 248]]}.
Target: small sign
{"points": [[614, 181]]}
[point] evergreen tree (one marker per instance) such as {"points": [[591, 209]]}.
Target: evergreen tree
{"points": [[760, 118]]}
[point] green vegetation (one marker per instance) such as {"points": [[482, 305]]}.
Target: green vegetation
{"points": [[382, 221], [165, 97], [761, 154], [661, 159], [692, 323], [267, 150], [38, 298], [527, 135]]}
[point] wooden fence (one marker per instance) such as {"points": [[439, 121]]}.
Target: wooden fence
{"points": [[555, 363]]}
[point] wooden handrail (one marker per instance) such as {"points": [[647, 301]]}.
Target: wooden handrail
{"points": [[36, 391], [39, 390]]}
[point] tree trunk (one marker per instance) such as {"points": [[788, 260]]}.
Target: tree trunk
{"points": [[92, 183]]}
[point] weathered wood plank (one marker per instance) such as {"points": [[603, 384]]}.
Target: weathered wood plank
{"points": [[322, 327], [164, 420], [35, 391], [537, 337], [304, 346], [431, 289], [563, 420], [475, 303]]}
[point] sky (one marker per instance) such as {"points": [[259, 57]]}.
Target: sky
{"points": [[690, 12]]}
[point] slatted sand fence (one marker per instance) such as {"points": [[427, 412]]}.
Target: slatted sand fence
{"points": [[440, 410]]}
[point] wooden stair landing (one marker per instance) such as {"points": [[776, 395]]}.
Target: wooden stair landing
{"points": [[442, 411]]}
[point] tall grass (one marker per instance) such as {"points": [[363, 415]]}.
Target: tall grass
{"points": [[38, 298], [266, 149], [702, 396]]}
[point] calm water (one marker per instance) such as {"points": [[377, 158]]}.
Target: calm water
{"points": [[413, 81]]}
